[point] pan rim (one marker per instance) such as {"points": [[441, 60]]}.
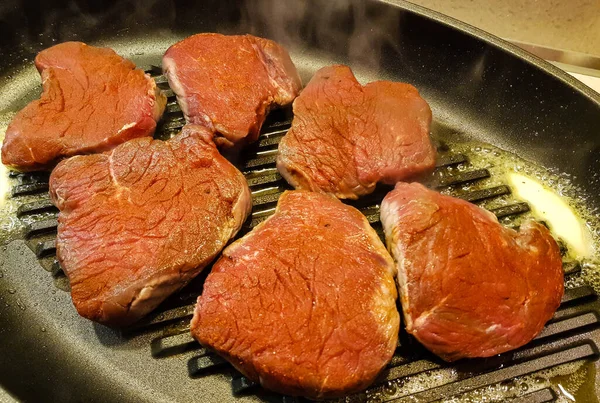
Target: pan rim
{"points": [[498, 43]]}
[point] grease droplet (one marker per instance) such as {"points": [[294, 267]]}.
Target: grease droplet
{"points": [[12, 291]]}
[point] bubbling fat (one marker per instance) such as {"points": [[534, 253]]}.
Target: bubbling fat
{"points": [[568, 381]]}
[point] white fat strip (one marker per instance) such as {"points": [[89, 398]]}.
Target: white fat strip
{"points": [[389, 219], [170, 70], [125, 127], [155, 291]]}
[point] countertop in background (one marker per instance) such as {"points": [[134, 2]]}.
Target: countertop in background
{"points": [[571, 25], [592, 82], [564, 32]]}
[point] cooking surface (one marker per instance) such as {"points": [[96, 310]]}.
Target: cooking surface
{"points": [[164, 338], [477, 93]]}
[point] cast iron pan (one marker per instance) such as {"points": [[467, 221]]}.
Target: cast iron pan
{"points": [[478, 86]]}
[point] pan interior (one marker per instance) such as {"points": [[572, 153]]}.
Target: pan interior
{"points": [[484, 102]]}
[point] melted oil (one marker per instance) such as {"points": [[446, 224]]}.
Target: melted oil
{"points": [[579, 386], [572, 382], [406, 386]]}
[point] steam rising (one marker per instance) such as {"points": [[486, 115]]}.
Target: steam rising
{"points": [[334, 25]]}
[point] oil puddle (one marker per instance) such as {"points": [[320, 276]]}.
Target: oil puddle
{"points": [[579, 386], [572, 382]]}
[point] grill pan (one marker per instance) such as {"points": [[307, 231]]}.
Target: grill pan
{"points": [[479, 87]]}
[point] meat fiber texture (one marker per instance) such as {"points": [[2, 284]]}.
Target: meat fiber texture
{"points": [[345, 137], [92, 100], [139, 222], [305, 303], [469, 287], [229, 83]]}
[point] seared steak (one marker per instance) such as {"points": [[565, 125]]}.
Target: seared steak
{"points": [[229, 83], [139, 222], [92, 100], [469, 286], [345, 137], [305, 303]]}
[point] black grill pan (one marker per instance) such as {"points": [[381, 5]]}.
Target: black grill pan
{"points": [[479, 87]]}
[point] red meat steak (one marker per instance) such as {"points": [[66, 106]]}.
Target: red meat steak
{"points": [[305, 303], [229, 83], [345, 137], [139, 222], [92, 100], [469, 286]]}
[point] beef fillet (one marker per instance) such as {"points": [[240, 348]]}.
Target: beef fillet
{"points": [[345, 137], [469, 287], [229, 83], [305, 303], [92, 100], [139, 222]]}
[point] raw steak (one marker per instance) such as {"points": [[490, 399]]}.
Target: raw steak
{"points": [[345, 137], [469, 287], [305, 303], [229, 83], [139, 222], [92, 100]]}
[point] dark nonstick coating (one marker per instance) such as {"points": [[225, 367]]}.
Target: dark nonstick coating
{"points": [[476, 84]]}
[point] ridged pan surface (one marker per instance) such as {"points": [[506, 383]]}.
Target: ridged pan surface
{"points": [[480, 89]]}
